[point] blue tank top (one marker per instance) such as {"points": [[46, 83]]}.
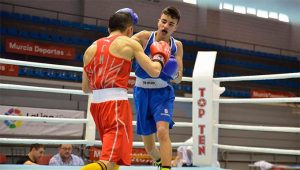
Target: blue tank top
{"points": [[139, 72]]}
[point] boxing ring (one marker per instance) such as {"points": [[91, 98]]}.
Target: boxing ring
{"points": [[205, 107]]}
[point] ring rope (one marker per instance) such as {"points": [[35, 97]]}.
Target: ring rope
{"points": [[43, 65], [66, 91], [258, 149], [261, 100], [78, 142], [69, 120], [227, 147], [40, 89], [42, 141], [59, 67], [183, 124], [44, 119], [259, 77], [259, 128], [177, 124]]}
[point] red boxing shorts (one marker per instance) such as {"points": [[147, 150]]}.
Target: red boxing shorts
{"points": [[113, 119]]}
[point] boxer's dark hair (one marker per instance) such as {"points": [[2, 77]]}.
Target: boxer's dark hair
{"points": [[120, 21], [173, 12]]}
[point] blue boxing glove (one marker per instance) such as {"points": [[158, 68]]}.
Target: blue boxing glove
{"points": [[134, 16], [171, 68]]}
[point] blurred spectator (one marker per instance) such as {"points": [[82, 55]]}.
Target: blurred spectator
{"points": [[35, 153], [184, 155], [65, 157], [2, 158]]}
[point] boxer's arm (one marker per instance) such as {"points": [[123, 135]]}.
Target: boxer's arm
{"points": [[153, 68], [179, 56], [88, 55], [142, 37]]}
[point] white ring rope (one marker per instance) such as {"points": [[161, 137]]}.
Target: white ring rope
{"points": [[59, 67], [41, 141], [72, 141], [66, 91], [177, 124], [141, 144], [258, 149], [43, 119], [261, 100], [43, 65], [259, 128], [40, 89], [68, 120], [259, 77], [183, 124]]}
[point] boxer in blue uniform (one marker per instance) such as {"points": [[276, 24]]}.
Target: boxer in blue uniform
{"points": [[154, 97]]}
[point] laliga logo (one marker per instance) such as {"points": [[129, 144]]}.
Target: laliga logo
{"points": [[13, 123]]}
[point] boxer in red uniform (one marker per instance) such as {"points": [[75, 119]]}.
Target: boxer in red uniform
{"points": [[107, 64]]}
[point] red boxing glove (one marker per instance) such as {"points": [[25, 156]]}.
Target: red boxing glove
{"points": [[160, 52]]}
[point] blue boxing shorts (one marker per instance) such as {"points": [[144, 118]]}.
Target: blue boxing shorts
{"points": [[153, 105]]}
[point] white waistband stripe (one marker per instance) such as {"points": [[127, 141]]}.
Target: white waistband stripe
{"points": [[150, 83], [103, 95]]}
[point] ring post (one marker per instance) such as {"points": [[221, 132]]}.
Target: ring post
{"points": [[90, 128], [205, 112]]}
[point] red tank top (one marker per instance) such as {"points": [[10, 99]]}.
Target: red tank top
{"points": [[106, 70]]}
